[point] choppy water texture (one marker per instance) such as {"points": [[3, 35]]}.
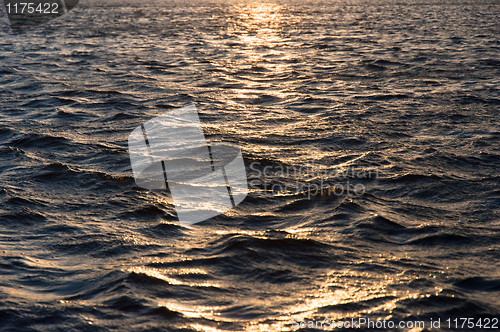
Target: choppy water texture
{"points": [[409, 87]]}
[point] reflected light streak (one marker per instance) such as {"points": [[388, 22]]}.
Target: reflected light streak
{"points": [[155, 273], [259, 23]]}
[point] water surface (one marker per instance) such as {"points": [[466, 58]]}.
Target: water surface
{"points": [[408, 87]]}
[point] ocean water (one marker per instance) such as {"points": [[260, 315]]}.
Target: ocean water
{"points": [[407, 88]]}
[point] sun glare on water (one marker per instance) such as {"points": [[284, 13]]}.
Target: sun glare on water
{"points": [[259, 23]]}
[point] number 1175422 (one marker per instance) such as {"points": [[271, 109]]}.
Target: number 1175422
{"points": [[32, 8], [470, 323]]}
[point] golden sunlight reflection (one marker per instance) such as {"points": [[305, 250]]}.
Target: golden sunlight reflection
{"points": [[162, 275], [338, 288], [258, 28], [361, 288], [258, 23]]}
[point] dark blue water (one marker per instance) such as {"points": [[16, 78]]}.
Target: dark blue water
{"points": [[409, 88]]}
